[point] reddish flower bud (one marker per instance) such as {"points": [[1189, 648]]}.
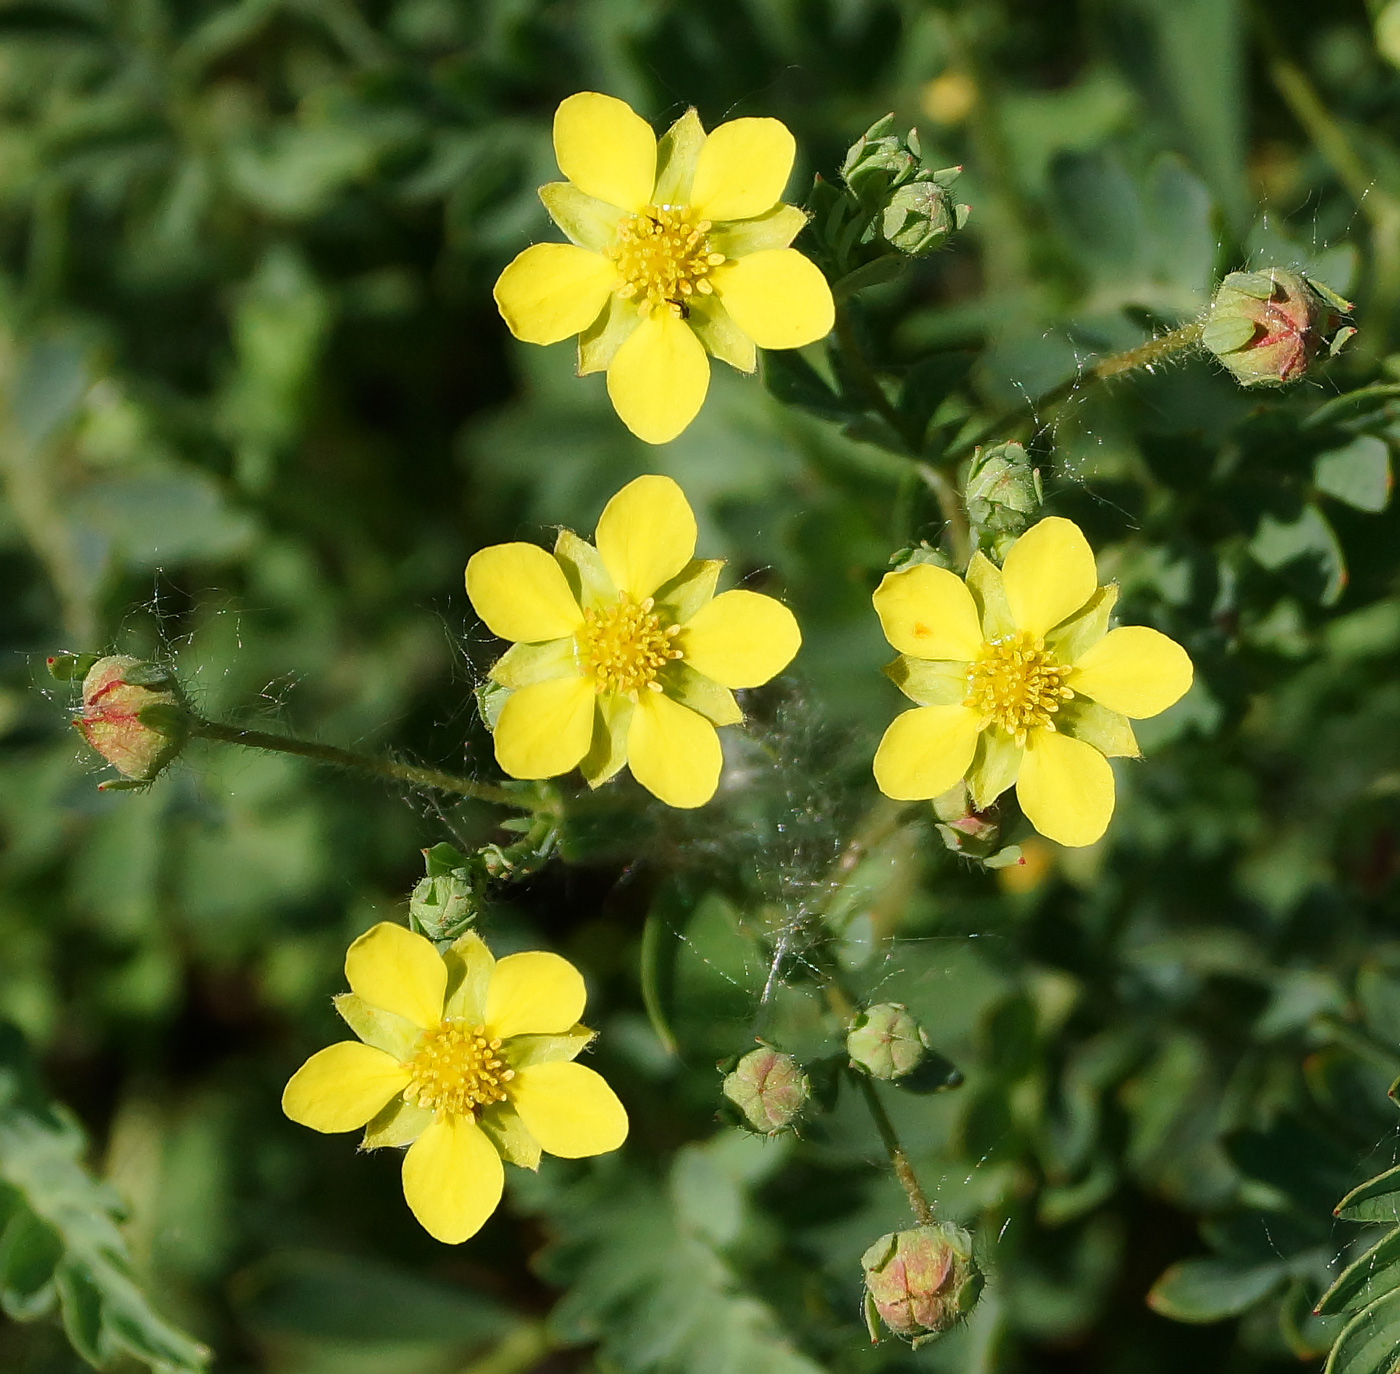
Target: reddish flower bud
{"points": [[769, 1088], [1266, 327], [134, 715], [920, 1282]]}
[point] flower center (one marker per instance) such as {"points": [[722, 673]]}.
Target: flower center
{"points": [[1017, 684], [456, 1070], [624, 646], [664, 257]]}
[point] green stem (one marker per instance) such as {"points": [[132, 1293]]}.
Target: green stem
{"points": [[899, 1161], [1149, 354], [362, 763]]}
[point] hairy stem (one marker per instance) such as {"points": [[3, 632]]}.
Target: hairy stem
{"points": [[899, 1161], [362, 763]]}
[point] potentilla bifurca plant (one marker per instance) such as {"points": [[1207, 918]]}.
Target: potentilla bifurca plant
{"points": [[634, 667]]}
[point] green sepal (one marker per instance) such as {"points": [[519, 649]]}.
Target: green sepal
{"points": [[469, 967], [1226, 333], [872, 1319], [1109, 733], [590, 223], [608, 751], [775, 228], [398, 1124], [524, 1051], [1068, 640], [598, 344], [523, 665], [723, 339], [1259, 285], [677, 151], [704, 695], [984, 582], [68, 667], [385, 1030], [928, 682], [679, 599], [507, 1132], [490, 698], [124, 784], [583, 568], [995, 766]]}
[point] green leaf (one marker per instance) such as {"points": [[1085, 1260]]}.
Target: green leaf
{"points": [[1375, 1273], [1309, 538], [795, 382], [1378, 1199], [1209, 1290], [1370, 1341], [104, 1312], [1358, 474]]}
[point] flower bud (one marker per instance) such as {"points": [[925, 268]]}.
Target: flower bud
{"points": [[1003, 496], [879, 160], [920, 1282], [886, 1041], [919, 216], [769, 1088], [134, 715], [444, 903], [1266, 327]]}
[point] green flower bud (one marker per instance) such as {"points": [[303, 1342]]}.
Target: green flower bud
{"points": [[1003, 496], [444, 903], [919, 216], [920, 1282], [886, 1041], [134, 715], [769, 1088], [1267, 327], [879, 160]]}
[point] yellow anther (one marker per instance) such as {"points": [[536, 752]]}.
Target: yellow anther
{"points": [[623, 646], [456, 1070], [664, 258], [1017, 684]]}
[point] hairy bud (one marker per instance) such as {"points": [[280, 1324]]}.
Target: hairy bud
{"points": [[445, 902], [919, 216], [134, 715], [886, 1041], [1267, 327], [769, 1088], [920, 1282], [1003, 496]]}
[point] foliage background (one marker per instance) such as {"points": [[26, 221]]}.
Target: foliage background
{"points": [[256, 410]]}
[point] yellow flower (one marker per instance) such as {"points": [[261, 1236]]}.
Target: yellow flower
{"points": [[623, 653], [1019, 680], [464, 1059], [676, 249]]}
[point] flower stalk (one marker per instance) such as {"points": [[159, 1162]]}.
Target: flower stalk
{"points": [[899, 1160]]}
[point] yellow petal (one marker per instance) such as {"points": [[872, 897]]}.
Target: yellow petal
{"points": [[533, 994], [452, 1179], [553, 290], [658, 378], [569, 1109], [1133, 670], [544, 730], [778, 298], [925, 751], [673, 752], [741, 639], [1048, 575], [742, 169], [605, 149], [928, 612], [392, 968], [646, 535], [1065, 788], [343, 1086], [521, 593]]}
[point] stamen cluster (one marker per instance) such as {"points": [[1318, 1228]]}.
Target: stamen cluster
{"points": [[623, 646], [1017, 684], [664, 258], [456, 1070]]}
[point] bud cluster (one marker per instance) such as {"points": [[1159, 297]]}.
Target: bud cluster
{"points": [[890, 208]]}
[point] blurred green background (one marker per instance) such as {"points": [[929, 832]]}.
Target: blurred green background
{"points": [[256, 411]]}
